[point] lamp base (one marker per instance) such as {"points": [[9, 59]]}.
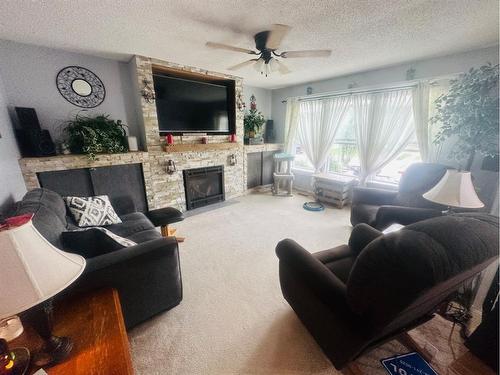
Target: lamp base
{"points": [[21, 361], [56, 349]]}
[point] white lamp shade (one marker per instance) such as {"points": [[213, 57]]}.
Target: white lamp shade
{"points": [[455, 189], [31, 269]]}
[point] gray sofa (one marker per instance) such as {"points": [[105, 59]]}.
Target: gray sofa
{"points": [[147, 276]]}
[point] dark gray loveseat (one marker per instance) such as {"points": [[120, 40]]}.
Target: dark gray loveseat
{"points": [[147, 276]]}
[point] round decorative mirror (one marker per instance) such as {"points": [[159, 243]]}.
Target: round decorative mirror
{"points": [[80, 87]]}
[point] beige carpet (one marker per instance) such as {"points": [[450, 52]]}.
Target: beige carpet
{"points": [[233, 318]]}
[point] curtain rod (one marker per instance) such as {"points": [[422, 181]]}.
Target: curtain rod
{"points": [[374, 89]]}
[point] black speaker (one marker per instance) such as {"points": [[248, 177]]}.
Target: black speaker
{"points": [[269, 136], [31, 138], [28, 120]]}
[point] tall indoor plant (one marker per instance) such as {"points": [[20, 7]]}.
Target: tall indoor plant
{"points": [[91, 135], [469, 114]]}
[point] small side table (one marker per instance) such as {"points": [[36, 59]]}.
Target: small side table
{"points": [[95, 323], [333, 188]]}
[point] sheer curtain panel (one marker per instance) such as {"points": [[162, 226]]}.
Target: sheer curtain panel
{"points": [[421, 115], [384, 127], [291, 124], [318, 124]]}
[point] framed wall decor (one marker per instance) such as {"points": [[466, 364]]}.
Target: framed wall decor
{"points": [[80, 86]]}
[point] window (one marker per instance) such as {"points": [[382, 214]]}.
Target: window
{"points": [[301, 161], [344, 157]]}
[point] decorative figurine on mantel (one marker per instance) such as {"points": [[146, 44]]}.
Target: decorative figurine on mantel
{"points": [[253, 123]]}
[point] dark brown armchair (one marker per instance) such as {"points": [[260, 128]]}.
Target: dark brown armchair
{"points": [[379, 208], [355, 297]]}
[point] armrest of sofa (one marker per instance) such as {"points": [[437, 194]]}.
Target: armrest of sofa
{"points": [[317, 276], [362, 235], [373, 196], [387, 215], [164, 216], [132, 253]]}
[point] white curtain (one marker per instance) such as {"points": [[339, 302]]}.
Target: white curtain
{"points": [[318, 123], [291, 124], [420, 101], [384, 126]]}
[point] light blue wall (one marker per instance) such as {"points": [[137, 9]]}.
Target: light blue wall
{"points": [[29, 75], [263, 97], [11, 181]]}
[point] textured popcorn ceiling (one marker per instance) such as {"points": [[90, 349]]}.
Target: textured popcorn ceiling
{"points": [[362, 34]]}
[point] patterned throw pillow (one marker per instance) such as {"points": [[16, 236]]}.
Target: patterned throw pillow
{"points": [[92, 211]]}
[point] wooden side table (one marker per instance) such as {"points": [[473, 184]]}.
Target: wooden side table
{"points": [[95, 323]]}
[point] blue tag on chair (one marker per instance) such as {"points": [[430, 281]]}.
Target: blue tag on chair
{"points": [[408, 364]]}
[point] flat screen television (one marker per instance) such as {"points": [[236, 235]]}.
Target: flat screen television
{"points": [[188, 106]]}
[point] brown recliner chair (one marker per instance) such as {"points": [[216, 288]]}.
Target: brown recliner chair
{"points": [[379, 208], [355, 297]]}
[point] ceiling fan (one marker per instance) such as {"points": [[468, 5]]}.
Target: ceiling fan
{"points": [[267, 43]]}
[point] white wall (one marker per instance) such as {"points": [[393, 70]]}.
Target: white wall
{"points": [[435, 67], [11, 181], [29, 74]]}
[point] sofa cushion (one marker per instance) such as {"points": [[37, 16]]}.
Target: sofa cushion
{"points": [[131, 224], [417, 180], [395, 269], [91, 242], [339, 260], [49, 213], [145, 235], [92, 211], [364, 213]]}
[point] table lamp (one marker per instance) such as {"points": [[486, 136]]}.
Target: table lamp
{"points": [[32, 271], [455, 189]]}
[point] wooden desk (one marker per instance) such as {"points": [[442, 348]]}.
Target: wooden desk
{"points": [[94, 322]]}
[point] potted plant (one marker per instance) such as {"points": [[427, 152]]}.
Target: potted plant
{"points": [[92, 135], [469, 114], [253, 123]]}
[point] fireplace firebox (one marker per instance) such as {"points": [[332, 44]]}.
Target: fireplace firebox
{"points": [[204, 186]]}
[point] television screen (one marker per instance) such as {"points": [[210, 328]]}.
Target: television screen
{"points": [[185, 106]]}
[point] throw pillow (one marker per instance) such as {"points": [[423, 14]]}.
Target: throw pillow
{"points": [[92, 211], [91, 242]]}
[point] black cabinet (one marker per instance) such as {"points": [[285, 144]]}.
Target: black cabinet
{"points": [[260, 168], [254, 169], [118, 182]]}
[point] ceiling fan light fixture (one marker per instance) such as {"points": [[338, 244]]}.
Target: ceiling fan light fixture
{"points": [[273, 64], [258, 65]]}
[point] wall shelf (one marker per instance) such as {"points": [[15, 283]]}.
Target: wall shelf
{"points": [[194, 147]]}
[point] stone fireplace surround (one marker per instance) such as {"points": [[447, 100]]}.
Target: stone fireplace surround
{"points": [[163, 189]]}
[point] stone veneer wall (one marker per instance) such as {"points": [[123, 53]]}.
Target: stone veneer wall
{"points": [[31, 166], [168, 190]]}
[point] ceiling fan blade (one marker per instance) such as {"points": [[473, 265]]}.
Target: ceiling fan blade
{"points": [[306, 53], [282, 68], [276, 35], [242, 65], [229, 48]]}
